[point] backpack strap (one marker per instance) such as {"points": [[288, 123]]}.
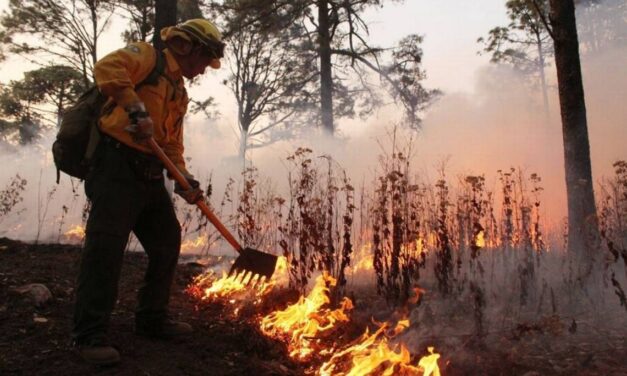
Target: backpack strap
{"points": [[156, 72], [94, 140], [152, 79]]}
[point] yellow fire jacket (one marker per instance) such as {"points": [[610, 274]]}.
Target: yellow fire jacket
{"points": [[116, 76]]}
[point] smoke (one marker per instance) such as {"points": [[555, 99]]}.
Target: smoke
{"points": [[47, 209], [501, 124], [498, 125]]}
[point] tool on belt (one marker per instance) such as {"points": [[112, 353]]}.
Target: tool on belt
{"points": [[250, 261]]}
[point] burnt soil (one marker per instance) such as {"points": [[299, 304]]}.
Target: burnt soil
{"points": [[35, 340]]}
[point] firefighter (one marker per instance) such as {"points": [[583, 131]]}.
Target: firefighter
{"points": [[126, 184]]}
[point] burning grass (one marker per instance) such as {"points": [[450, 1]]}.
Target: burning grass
{"points": [[312, 330], [374, 354], [307, 325], [75, 234], [219, 286], [481, 249], [471, 247], [209, 286]]}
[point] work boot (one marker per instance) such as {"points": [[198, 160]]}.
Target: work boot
{"points": [[166, 329], [97, 352]]}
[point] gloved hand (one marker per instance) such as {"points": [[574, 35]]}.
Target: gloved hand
{"points": [[192, 195], [141, 126]]}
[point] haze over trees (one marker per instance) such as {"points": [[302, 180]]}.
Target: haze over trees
{"points": [[524, 43], [334, 71], [339, 63], [37, 101], [536, 27], [601, 25], [65, 31], [269, 89], [582, 222]]}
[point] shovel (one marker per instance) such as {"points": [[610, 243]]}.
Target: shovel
{"points": [[250, 260]]}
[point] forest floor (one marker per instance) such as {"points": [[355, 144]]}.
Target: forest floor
{"points": [[35, 340]]}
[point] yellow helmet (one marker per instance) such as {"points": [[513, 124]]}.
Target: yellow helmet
{"points": [[200, 31]]}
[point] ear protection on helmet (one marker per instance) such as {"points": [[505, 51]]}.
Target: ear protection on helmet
{"points": [[180, 46], [177, 40], [182, 39], [196, 32]]}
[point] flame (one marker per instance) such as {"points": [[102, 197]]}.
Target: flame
{"points": [[401, 325], [363, 260], [429, 363], [363, 264], [208, 287], [190, 245], [420, 245], [75, 233], [304, 323], [480, 240], [373, 355], [308, 325], [227, 286], [432, 239]]}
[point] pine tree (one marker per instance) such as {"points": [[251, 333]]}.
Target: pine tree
{"points": [[339, 60], [524, 43], [67, 30]]}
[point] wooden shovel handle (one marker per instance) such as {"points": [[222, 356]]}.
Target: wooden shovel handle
{"points": [[178, 176]]}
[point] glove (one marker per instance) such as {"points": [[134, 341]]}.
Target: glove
{"points": [[192, 195], [141, 126]]}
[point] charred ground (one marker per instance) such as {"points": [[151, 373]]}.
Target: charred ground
{"points": [[35, 341], [28, 347]]}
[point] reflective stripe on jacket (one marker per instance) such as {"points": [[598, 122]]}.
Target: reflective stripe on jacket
{"points": [[116, 75]]}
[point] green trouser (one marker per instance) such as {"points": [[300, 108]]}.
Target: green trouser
{"points": [[124, 199]]}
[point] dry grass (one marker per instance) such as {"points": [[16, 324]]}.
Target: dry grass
{"points": [[11, 195], [474, 244]]}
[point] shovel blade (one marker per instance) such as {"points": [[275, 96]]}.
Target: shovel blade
{"points": [[254, 261]]}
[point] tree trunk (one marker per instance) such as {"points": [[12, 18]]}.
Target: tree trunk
{"points": [[165, 15], [144, 27], [60, 106], [93, 51], [243, 144], [94, 24], [582, 225], [326, 78]]}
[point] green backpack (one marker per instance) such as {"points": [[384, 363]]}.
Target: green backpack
{"points": [[79, 135]]}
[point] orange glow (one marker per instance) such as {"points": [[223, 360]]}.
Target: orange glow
{"points": [[362, 260], [304, 324], [76, 233], [418, 292], [373, 355], [480, 240], [190, 245], [420, 245]]}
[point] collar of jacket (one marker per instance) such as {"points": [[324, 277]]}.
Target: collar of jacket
{"points": [[172, 65]]}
